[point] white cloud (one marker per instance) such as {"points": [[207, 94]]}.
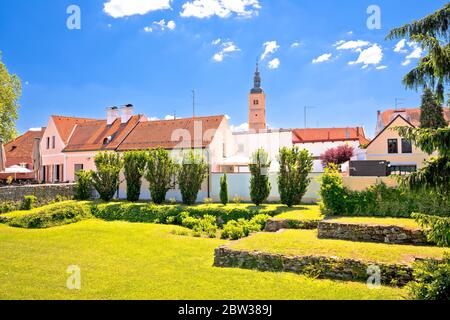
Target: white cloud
{"points": [[372, 55], [351, 45], [240, 128], [221, 8], [350, 33], [270, 47], [416, 54], [323, 58], [226, 49], [382, 67], [216, 42], [153, 118], [399, 47], [148, 29], [125, 8], [171, 25], [296, 44], [338, 43], [171, 117], [274, 64], [406, 62], [227, 117]]}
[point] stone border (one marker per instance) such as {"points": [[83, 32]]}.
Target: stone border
{"points": [[274, 225], [371, 233], [44, 192], [316, 266]]}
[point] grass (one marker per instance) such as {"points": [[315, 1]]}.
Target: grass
{"points": [[120, 260], [301, 213], [20, 213], [400, 222], [301, 243]]}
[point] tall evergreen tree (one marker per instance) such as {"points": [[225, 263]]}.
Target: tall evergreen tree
{"points": [[259, 181], [224, 190], [432, 34], [432, 114]]}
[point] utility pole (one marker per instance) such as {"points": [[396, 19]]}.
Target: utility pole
{"points": [[193, 103], [306, 111]]}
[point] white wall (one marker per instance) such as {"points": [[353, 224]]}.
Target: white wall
{"points": [[239, 185]]}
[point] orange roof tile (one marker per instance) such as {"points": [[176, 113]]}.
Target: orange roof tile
{"points": [[412, 115], [97, 135], [153, 134], [65, 125], [20, 150], [328, 135]]}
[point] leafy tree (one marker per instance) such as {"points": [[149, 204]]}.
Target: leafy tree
{"points": [[10, 92], [224, 190], [259, 181], [432, 114], [83, 185], [293, 181], [192, 174], [161, 171], [338, 155], [134, 165], [106, 179], [432, 34], [435, 175]]}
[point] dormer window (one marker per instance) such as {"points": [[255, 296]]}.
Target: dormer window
{"points": [[107, 140]]}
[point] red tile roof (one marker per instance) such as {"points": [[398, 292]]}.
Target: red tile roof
{"points": [[153, 134], [412, 115], [329, 135], [65, 125], [20, 150], [97, 135]]}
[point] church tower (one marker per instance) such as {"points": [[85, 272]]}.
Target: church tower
{"points": [[257, 105]]}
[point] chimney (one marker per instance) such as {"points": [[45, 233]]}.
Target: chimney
{"points": [[126, 112], [112, 114]]}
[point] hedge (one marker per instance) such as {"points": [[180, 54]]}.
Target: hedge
{"points": [[49, 216]]}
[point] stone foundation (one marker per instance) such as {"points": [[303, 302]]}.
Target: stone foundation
{"points": [[371, 233], [274, 225], [44, 192], [315, 266]]}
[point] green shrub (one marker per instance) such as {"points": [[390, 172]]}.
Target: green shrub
{"points": [[8, 206], [241, 228], [160, 174], [436, 228], [259, 181], [293, 181], [224, 190], [205, 226], [233, 230], [208, 201], [431, 280], [106, 179], [28, 202], [333, 192], [193, 172], [83, 186], [134, 169], [50, 216]]}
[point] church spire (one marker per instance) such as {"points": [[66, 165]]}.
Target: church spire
{"points": [[257, 80]]}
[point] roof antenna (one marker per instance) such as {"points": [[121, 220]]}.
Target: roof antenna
{"points": [[193, 103]]}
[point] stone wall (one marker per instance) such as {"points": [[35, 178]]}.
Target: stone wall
{"points": [[44, 192], [274, 225], [371, 233], [316, 266]]}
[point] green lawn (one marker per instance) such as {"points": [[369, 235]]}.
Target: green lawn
{"points": [[301, 213], [400, 222], [305, 242], [120, 260]]}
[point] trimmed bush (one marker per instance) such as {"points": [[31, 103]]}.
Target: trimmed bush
{"points": [[106, 179], [49, 216], [160, 174], [8, 206], [242, 228], [293, 181], [259, 181], [134, 169], [205, 226], [28, 202], [224, 190], [83, 187], [431, 280], [192, 174]]}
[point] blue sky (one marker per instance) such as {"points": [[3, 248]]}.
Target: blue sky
{"points": [[319, 53]]}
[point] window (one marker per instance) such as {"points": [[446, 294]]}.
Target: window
{"points": [[256, 102], [402, 170], [224, 150], [406, 146], [77, 168], [53, 142], [392, 146], [48, 142]]}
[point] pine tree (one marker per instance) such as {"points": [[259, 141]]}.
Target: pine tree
{"points": [[224, 190], [432, 114], [259, 182]]}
